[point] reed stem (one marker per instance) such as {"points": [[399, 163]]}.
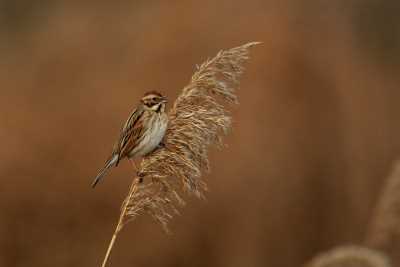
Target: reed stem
{"points": [[120, 221]]}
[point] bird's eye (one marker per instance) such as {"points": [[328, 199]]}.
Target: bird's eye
{"points": [[154, 98]]}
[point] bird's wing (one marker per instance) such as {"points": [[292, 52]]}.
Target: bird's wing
{"points": [[130, 133], [126, 142]]}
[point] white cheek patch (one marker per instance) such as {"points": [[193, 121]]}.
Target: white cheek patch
{"points": [[156, 107]]}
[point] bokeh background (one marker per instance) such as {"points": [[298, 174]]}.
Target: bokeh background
{"points": [[314, 137]]}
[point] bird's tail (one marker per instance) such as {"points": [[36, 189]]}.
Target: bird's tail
{"points": [[110, 163]]}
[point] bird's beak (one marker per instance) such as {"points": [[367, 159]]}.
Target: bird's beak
{"points": [[164, 99]]}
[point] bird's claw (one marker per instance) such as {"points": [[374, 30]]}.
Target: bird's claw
{"points": [[140, 175], [161, 145]]}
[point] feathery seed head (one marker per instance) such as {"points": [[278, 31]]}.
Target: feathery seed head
{"points": [[197, 120], [350, 256]]}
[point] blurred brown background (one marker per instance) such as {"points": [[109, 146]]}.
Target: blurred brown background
{"points": [[313, 139]]}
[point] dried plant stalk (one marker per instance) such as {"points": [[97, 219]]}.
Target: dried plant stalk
{"points": [[384, 225], [133, 189], [197, 120], [350, 256]]}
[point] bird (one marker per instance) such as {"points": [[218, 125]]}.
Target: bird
{"points": [[142, 132]]}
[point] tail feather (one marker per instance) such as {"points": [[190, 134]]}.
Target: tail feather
{"points": [[110, 163]]}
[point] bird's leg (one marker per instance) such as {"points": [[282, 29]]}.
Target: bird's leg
{"points": [[136, 170], [133, 164]]}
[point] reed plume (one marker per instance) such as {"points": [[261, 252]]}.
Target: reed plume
{"points": [[382, 231], [350, 256], [199, 118], [384, 225]]}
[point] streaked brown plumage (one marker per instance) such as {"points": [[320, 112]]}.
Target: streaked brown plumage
{"points": [[142, 132]]}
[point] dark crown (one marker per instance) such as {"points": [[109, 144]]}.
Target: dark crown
{"points": [[152, 93]]}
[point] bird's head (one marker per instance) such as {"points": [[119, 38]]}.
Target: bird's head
{"points": [[154, 101]]}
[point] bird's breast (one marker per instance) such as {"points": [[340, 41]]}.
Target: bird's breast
{"points": [[154, 135]]}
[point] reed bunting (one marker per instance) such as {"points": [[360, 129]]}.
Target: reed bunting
{"points": [[142, 132]]}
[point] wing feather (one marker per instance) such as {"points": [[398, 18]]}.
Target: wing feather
{"points": [[132, 128], [134, 138]]}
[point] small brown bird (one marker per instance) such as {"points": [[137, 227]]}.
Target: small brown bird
{"points": [[142, 132]]}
